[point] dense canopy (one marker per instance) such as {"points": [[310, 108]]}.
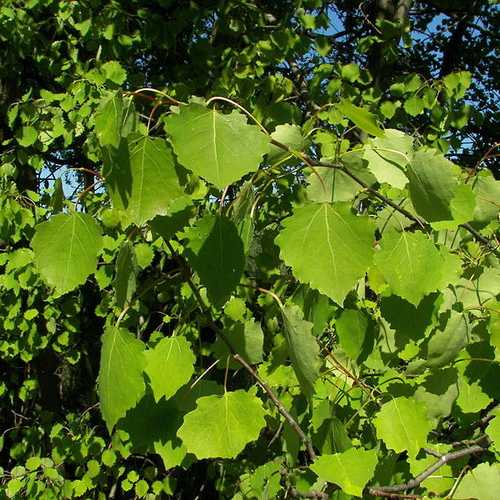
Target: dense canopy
{"points": [[249, 249]]}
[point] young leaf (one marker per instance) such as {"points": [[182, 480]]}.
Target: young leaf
{"points": [[403, 425], [350, 470], [220, 148], [234, 419], [141, 178], [215, 251], [169, 365], [66, 248], [120, 381], [481, 483], [411, 264], [126, 271], [361, 117], [302, 348], [327, 247]]}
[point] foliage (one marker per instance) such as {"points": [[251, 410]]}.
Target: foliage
{"points": [[277, 274]]}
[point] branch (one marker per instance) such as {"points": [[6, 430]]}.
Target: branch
{"points": [[294, 493], [421, 222], [414, 483], [279, 405]]}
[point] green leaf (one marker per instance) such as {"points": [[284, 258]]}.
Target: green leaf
{"points": [[414, 105], [289, 135], [126, 272], [350, 470], [215, 251], [481, 483], [27, 136], [353, 331], [169, 365], [120, 382], [471, 397], [487, 191], [114, 72], [388, 156], [57, 198], [234, 419], [327, 247], [403, 425], [432, 185], [444, 345], [66, 249], [141, 178], [328, 185], [411, 265], [493, 429], [361, 117], [220, 148], [108, 121], [302, 347]]}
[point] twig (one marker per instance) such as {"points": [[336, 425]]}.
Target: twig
{"points": [[386, 494], [279, 405], [310, 494], [414, 483]]}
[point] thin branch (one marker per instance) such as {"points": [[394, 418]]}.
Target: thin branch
{"points": [[415, 482], [387, 494], [294, 493], [279, 405]]}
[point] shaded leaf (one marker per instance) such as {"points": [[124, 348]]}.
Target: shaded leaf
{"points": [[126, 271], [120, 381], [433, 183], [141, 178], [152, 427], [353, 330], [215, 251], [302, 347]]}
